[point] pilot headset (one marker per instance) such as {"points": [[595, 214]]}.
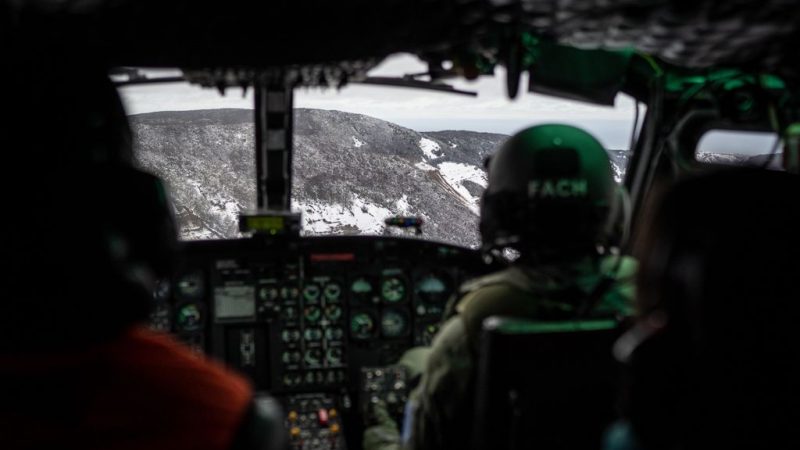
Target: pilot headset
{"points": [[136, 219], [98, 232]]}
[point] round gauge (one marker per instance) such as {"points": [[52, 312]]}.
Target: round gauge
{"points": [[189, 317], [393, 289], [160, 318], [334, 356], [268, 292], [313, 334], [162, 290], [290, 357], [289, 313], [290, 293], [432, 288], [362, 326], [292, 379], [332, 291], [312, 314], [394, 323], [334, 334], [333, 312], [362, 289], [311, 293], [313, 356], [290, 335], [190, 286]]}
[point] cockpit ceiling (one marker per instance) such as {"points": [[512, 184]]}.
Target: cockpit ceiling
{"points": [[757, 34]]}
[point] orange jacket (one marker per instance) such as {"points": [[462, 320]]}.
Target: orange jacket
{"points": [[142, 391]]}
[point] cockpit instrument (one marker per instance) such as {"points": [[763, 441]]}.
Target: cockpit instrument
{"points": [[190, 286], [362, 326], [362, 289], [394, 323], [393, 289], [234, 302], [189, 317], [433, 288]]}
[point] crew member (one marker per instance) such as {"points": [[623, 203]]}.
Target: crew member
{"points": [[552, 198], [86, 237], [712, 359]]}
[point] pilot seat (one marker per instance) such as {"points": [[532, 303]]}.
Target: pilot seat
{"points": [[544, 385]]}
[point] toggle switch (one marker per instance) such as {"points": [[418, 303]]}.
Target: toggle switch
{"points": [[322, 417]]}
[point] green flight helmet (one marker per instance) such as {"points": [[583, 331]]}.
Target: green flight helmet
{"points": [[551, 194]]}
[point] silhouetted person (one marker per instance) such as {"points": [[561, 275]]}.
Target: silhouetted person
{"points": [[713, 359], [86, 236]]}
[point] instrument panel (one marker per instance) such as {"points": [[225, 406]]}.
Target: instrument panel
{"points": [[306, 315]]}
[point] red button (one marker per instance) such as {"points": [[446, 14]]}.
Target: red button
{"points": [[322, 415]]}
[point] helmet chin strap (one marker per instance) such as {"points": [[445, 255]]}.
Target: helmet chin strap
{"points": [[616, 231]]}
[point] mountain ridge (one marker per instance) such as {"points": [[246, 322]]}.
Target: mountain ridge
{"points": [[350, 171]]}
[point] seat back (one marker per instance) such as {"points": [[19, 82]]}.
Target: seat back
{"points": [[544, 385]]}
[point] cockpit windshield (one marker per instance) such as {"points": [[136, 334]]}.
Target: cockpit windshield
{"points": [[362, 154]]}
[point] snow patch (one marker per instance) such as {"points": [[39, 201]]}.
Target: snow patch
{"points": [[618, 172], [357, 143], [402, 205], [198, 234], [424, 166], [453, 144], [429, 148], [456, 173], [326, 218], [232, 209], [718, 158]]}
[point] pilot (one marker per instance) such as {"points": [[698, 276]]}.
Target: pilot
{"points": [[712, 359], [86, 236], [552, 198]]}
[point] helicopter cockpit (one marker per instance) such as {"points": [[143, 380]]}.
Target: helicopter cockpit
{"points": [[315, 314], [319, 319], [315, 298]]}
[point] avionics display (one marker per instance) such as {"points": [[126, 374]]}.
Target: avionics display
{"points": [[234, 302]]}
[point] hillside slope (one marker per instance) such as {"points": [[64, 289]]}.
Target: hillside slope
{"points": [[350, 171]]}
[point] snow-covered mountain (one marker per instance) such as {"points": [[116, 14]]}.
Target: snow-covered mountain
{"points": [[350, 172], [766, 160]]}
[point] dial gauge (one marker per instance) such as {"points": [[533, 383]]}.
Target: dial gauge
{"points": [[268, 292], [311, 293], [313, 356], [189, 317], [332, 292], [333, 356], [312, 314], [190, 286], [333, 312], [432, 288], [362, 326], [394, 323], [334, 334], [362, 289], [393, 289]]}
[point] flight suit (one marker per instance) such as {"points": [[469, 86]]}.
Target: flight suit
{"points": [[441, 408], [142, 390]]}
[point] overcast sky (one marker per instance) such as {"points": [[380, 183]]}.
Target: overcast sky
{"points": [[420, 110]]}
